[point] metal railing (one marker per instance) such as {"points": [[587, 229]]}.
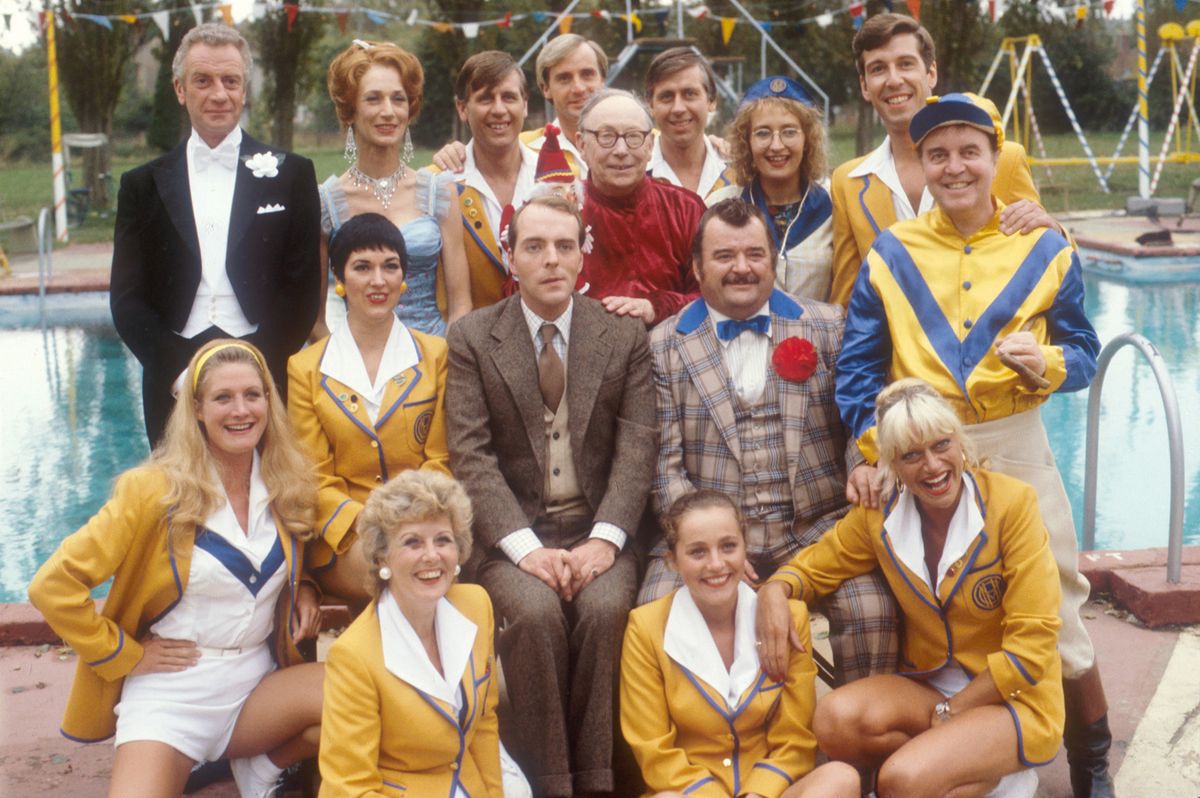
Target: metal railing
{"points": [[1174, 441], [45, 251]]}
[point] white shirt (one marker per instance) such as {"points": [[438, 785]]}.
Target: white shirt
{"points": [[526, 179], [219, 609], [211, 186], [747, 356], [710, 173], [903, 526], [516, 545], [881, 164], [688, 641], [343, 362]]}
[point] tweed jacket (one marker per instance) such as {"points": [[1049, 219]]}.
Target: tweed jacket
{"points": [[496, 428], [699, 445], [381, 736], [862, 209], [126, 540], [354, 456]]}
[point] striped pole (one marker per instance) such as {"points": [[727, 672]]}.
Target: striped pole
{"points": [[1133, 115], [1143, 107], [1066, 104], [56, 152], [1186, 83]]}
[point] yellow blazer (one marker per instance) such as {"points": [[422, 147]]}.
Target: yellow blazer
{"points": [[485, 258], [353, 456], [381, 736], [862, 208], [686, 740], [996, 608], [126, 540]]}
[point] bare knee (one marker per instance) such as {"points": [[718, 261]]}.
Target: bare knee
{"points": [[903, 776], [838, 724], [831, 780], [311, 738]]}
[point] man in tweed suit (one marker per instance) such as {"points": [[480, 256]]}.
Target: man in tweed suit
{"points": [[745, 406], [550, 410]]}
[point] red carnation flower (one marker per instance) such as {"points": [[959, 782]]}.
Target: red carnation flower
{"points": [[795, 359]]}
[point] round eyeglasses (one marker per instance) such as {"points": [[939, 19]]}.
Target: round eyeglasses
{"points": [[607, 138]]}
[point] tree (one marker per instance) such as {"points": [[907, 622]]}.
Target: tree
{"points": [[168, 123], [286, 58]]}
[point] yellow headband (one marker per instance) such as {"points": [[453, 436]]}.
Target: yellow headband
{"points": [[231, 345]]}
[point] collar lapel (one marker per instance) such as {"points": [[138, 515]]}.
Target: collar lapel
{"points": [[516, 361], [877, 199], [171, 179], [484, 236], [358, 415], [246, 191], [587, 357], [701, 354]]}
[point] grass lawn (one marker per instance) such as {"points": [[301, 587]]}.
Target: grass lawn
{"points": [[26, 187]]}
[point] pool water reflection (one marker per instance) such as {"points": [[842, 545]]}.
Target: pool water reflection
{"points": [[71, 421]]}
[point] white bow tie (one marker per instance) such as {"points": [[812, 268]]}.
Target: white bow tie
{"points": [[225, 155]]}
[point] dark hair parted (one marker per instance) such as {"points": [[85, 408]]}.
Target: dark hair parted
{"points": [[812, 165], [734, 212], [880, 29], [485, 71], [703, 499], [677, 59], [366, 231], [347, 69], [551, 201]]}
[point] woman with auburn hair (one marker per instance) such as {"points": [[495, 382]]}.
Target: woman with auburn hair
{"points": [[968, 557], [412, 688], [777, 150], [376, 88], [205, 546], [696, 708]]}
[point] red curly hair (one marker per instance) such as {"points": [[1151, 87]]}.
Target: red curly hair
{"points": [[351, 64]]}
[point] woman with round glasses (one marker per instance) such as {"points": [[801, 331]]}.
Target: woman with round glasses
{"points": [[777, 149]]}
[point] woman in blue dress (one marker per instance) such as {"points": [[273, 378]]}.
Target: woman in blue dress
{"points": [[376, 89]]}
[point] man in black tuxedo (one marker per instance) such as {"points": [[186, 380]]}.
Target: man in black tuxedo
{"points": [[217, 238]]}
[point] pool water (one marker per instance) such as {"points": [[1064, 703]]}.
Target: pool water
{"points": [[71, 420]]}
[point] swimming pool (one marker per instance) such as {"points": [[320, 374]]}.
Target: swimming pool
{"points": [[71, 421]]}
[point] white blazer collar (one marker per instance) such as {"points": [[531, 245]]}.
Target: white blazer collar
{"points": [[343, 362], [260, 539], [405, 657], [687, 640], [714, 165], [903, 526]]}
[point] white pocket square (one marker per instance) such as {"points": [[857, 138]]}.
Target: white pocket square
{"points": [[269, 209]]}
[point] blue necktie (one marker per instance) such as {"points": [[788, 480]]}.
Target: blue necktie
{"points": [[731, 328]]}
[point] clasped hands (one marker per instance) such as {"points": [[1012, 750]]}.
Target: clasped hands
{"points": [[568, 571]]}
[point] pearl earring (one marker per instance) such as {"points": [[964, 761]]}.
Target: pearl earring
{"points": [[385, 573], [457, 569]]}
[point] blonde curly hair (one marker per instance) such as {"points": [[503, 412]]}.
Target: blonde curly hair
{"points": [[812, 166]]}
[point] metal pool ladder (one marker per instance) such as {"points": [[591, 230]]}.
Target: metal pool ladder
{"points": [[1174, 440], [45, 250]]}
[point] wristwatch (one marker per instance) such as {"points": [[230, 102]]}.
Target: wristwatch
{"points": [[942, 710]]}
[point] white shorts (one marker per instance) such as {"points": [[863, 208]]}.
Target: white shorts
{"points": [[193, 711]]}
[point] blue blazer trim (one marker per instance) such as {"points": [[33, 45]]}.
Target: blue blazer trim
{"points": [[866, 181], [779, 304], [335, 515], [178, 593], [395, 786], [1021, 668], [774, 770], [818, 208], [370, 433], [84, 739], [1021, 741], [698, 785], [470, 228], [120, 645], [238, 564]]}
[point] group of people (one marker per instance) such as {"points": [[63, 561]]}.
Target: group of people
{"points": [[595, 410]]}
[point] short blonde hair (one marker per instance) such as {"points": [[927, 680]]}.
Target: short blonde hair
{"points": [[409, 497], [910, 412], [812, 165], [347, 69]]}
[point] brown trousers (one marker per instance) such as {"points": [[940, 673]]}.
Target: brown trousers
{"points": [[561, 665]]}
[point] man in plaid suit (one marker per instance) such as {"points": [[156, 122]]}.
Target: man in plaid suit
{"points": [[744, 378]]}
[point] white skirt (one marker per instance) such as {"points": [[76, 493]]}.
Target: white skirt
{"points": [[193, 711]]}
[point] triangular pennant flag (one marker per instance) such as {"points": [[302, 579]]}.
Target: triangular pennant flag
{"points": [[506, 22], [291, 9], [727, 26], [197, 14], [889, 5], [412, 18], [1108, 4], [375, 17], [637, 22], [766, 26], [162, 19], [226, 12], [825, 20], [342, 18], [914, 8], [1180, 4], [42, 16], [564, 23], [470, 30], [258, 11], [992, 10], [443, 27], [103, 22], [128, 19], [699, 12], [1081, 13], [66, 18], [8, 21]]}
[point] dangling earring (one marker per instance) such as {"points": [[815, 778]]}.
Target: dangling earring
{"points": [[340, 290], [457, 569], [351, 151], [407, 155], [385, 573], [403, 286]]}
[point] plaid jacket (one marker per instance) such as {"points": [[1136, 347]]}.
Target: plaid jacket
{"points": [[698, 434]]}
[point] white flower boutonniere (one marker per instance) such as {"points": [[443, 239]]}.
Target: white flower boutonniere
{"points": [[264, 164]]}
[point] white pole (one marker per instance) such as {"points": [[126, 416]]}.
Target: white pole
{"points": [[1143, 107]]}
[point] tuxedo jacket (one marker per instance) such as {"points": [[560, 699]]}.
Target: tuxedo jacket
{"points": [[272, 260], [862, 209], [495, 416], [699, 442]]}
